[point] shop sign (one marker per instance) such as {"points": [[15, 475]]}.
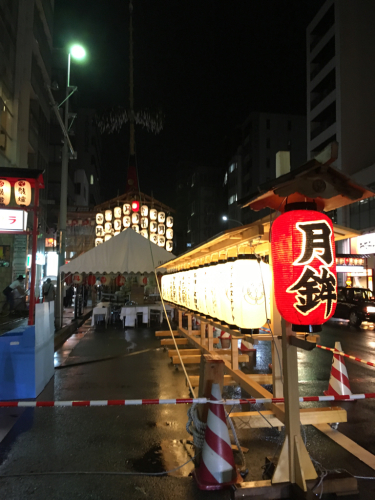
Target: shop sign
{"points": [[13, 220], [366, 243]]}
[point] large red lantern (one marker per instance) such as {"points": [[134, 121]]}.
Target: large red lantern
{"points": [[120, 280], [304, 267], [91, 279]]}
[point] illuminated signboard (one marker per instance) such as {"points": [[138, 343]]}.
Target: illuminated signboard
{"points": [[13, 220]]}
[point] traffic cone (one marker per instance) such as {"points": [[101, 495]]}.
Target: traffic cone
{"points": [[217, 469], [339, 380]]}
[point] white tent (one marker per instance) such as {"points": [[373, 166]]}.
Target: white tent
{"points": [[128, 252]]}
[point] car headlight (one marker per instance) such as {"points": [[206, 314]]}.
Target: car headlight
{"points": [[370, 309]]}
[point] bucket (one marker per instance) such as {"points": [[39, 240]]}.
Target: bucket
{"points": [[225, 340]]}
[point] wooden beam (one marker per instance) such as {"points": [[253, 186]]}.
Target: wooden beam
{"points": [[194, 380], [184, 352], [228, 380], [349, 445], [180, 341], [167, 333], [308, 416], [191, 360]]}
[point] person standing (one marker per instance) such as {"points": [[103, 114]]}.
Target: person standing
{"points": [[15, 285], [49, 292]]}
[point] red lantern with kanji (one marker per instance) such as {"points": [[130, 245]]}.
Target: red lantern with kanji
{"points": [[304, 268], [68, 279], [91, 279], [120, 280]]}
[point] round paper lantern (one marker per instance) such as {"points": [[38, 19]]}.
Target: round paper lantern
{"points": [[126, 209], [153, 227], [304, 269], [135, 218], [135, 228], [108, 215], [249, 293], [126, 221], [169, 245], [98, 241], [209, 287], [227, 295], [161, 241], [144, 222], [169, 221], [105, 279], [108, 227], [22, 192], [107, 237], [144, 233], [153, 214], [161, 229], [154, 238], [117, 224], [161, 217], [117, 212], [99, 231], [169, 234], [77, 278], [79, 222], [144, 210], [91, 279], [5, 192], [120, 280], [68, 279], [164, 287], [99, 218], [116, 233]]}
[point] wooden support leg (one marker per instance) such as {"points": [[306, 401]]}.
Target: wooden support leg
{"points": [[180, 319], [234, 353], [203, 332], [277, 367], [190, 324], [294, 463], [210, 337]]}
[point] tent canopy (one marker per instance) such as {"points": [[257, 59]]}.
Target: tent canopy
{"points": [[128, 252]]}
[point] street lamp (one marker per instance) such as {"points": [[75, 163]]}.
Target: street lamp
{"points": [[77, 52], [224, 217]]}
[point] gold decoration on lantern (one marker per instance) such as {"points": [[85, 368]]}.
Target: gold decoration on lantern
{"points": [[5, 192], [126, 208], [144, 210], [22, 192], [108, 215], [153, 214], [169, 221], [117, 212]]}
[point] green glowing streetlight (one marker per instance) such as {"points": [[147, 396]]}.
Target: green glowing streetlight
{"points": [[77, 52]]}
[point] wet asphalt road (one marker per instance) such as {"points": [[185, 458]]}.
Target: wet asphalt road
{"points": [[153, 438]]}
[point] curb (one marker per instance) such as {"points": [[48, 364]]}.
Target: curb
{"points": [[62, 335]]}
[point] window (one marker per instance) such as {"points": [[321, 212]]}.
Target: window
{"points": [[232, 167], [232, 199], [225, 179], [91, 180], [268, 123], [268, 143]]}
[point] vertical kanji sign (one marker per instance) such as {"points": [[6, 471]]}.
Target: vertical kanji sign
{"points": [[304, 267]]}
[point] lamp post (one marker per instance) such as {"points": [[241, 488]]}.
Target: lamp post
{"points": [[77, 52], [224, 217]]}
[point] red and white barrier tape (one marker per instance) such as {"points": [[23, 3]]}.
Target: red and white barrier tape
{"points": [[135, 402], [345, 355]]}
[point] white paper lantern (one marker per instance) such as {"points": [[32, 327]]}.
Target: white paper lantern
{"points": [[117, 212], [153, 214], [107, 237], [22, 192], [161, 241], [209, 284], [5, 192], [126, 221], [108, 215], [169, 221], [108, 227], [117, 225], [135, 218], [116, 233], [144, 233], [99, 231], [153, 227], [135, 228], [161, 229], [126, 208], [161, 217], [227, 294], [154, 238], [169, 234], [164, 287], [144, 210], [77, 278], [188, 287], [144, 222], [98, 241], [105, 279], [169, 245], [99, 218], [267, 281]]}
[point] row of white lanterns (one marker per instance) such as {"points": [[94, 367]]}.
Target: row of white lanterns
{"points": [[22, 192], [235, 291]]}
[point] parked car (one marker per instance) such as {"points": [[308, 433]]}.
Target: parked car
{"points": [[356, 305]]}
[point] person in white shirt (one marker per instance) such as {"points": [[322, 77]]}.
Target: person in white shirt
{"points": [[15, 285]]}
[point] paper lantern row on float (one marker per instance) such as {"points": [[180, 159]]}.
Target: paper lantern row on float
{"points": [[235, 291], [22, 192], [150, 223]]}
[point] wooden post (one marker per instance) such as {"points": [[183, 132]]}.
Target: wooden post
{"points": [[294, 463], [203, 332], [210, 337], [211, 372], [234, 352], [190, 324]]}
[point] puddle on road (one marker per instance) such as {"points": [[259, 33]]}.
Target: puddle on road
{"points": [[167, 456]]}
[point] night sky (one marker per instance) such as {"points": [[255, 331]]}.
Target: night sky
{"points": [[206, 64]]}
